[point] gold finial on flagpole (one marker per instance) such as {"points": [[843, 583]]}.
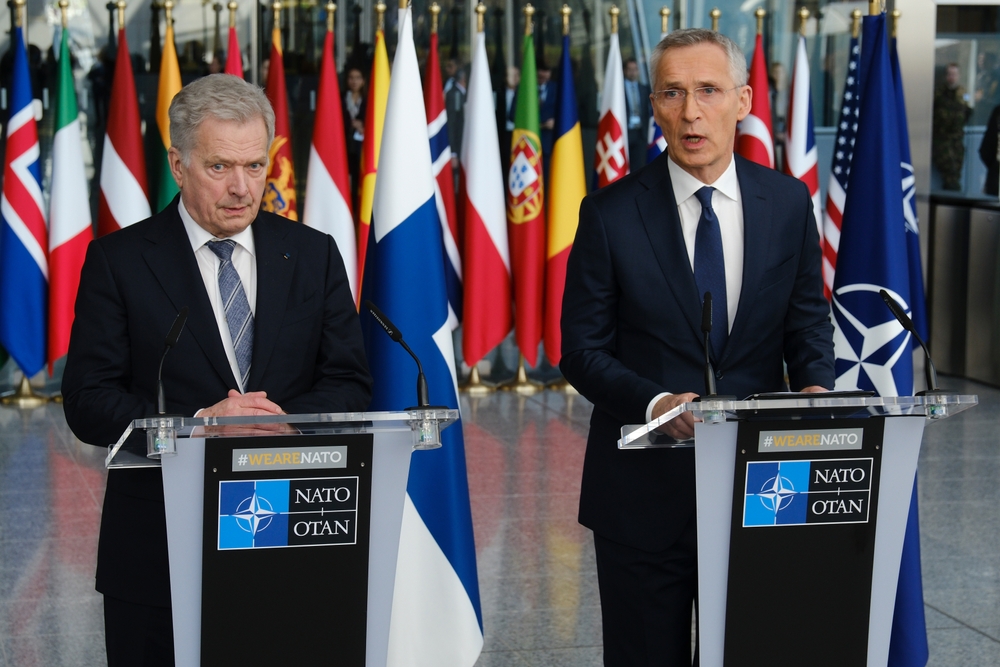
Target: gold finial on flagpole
{"points": [[760, 14], [664, 20], [121, 13], [613, 13], [19, 12], [480, 17], [63, 9], [895, 22], [434, 9], [874, 7], [803, 19], [276, 6], [380, 16], [168, 12], [404, 4], [529, 25], [716, 13], [331, 13], [232, 7], [565, 11], [855, 23]]}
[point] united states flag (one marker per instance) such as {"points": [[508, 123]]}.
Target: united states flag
{"points": [[836, 190]]}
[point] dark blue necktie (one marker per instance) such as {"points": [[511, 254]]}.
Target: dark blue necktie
{"points": [[710, 269], [237, 307]]}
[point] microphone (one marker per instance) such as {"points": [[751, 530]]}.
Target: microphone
{"points": [[706, 329], [930, 373], [397, 337], [171, 340]]}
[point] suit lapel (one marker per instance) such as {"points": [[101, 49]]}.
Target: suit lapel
{"points": [[756, 236], [658, 211], [173, 264], [276, 262]]}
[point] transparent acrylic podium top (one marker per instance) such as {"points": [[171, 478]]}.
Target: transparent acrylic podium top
{"points": [[131, 449], [795, 407]]}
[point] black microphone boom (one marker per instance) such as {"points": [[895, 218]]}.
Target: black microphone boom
{"points": [[930, 373], [423, 400], [171, 340], [706, 328]]}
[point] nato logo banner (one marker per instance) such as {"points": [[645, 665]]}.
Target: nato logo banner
{"points": [[796, 493], [275, 513]]}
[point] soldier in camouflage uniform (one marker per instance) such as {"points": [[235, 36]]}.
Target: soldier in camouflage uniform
{"points": [[950, 115]]}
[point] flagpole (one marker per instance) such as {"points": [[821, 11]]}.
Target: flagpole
{"points": [[25, 396], [760, 14], [856, 24], [664, 21], [715, 14]]}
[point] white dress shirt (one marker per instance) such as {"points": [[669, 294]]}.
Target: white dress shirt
{"points": [[728, 207], [208, 263]]}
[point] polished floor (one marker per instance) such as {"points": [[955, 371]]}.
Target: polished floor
{"points": [[536, 563]]}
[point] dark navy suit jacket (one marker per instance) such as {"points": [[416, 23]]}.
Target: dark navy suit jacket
{"points": [[308, 356], [631, 330]]}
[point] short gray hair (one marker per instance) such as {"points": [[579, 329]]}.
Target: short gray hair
{"points": [[693, 37], [223, 97]]}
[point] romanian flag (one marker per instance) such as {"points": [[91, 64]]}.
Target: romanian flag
{"points": [[279, 191], [567, 188], [170, 85], [526, 212], [378, 95]]}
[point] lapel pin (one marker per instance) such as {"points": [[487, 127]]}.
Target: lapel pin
{"points": [[287, 256]]}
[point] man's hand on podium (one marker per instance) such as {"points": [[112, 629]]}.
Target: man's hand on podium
{"points": [[237, 404], [815, 389], [679, 428]]}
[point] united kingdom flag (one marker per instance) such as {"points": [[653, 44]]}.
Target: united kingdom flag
{"points": [[800, 155], [24, 264], [836, 189]]}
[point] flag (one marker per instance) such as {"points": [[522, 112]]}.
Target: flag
{"points": [[526, 211], [24, 244], [656, 143], [567, 188], [169, 85], [234, 59], [754, 140], [487, 296], [69, 223], [328, 194], [918, 303], [436, 617], [124, 195], [444, 178], [611, 153], [378, 94], [800, 151], [279, 191], [843, 150]]}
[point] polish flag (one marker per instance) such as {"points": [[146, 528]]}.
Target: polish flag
{"points": [[611, 154]]}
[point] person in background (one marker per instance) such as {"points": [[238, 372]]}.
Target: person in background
{"points": [[637, 110], [988, 148], [354, 127], [951, 113], [546, 111], [454, 103]]}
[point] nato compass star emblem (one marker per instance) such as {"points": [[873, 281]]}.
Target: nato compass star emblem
{"points": [[254, 514], [868, 341], [777, 493]]}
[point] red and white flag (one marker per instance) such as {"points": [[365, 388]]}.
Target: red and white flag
{"points": [[234, 59], [487, 285], [800, 153], [754, 141], [328, 200], [124, 188], [611, 160]]}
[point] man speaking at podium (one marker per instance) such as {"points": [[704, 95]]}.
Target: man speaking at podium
{"points": [[272, 329], [698, 219]]}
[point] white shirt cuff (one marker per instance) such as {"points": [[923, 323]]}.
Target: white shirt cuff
{"points": [[652, 403]]}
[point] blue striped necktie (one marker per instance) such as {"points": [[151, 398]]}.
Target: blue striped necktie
{"points": [[237, 307], [710, 269]]}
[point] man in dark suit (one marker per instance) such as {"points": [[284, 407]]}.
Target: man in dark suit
{"points": [[637, 111], [272, 329], [696, 219]]}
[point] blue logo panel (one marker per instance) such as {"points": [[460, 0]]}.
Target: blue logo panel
{"points": [[796, 493], [776, 493]]}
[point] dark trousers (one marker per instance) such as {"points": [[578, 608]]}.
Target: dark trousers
{"points": [[137, 635], [646, 602]]}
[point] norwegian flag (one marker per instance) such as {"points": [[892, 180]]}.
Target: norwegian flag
{"points": [[611, 153], [24, 239], [800, 157], [444, 185], [754, 140], [836, 188]]}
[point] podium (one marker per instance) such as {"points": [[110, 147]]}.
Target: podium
{"points": [[282, 530], [802, 504]]}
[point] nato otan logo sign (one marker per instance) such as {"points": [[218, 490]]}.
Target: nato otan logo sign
{"points": [[798, 493], [278, 513]]}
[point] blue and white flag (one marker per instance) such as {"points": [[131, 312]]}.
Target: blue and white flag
{"points": [[656, 144], [24, 244], [436, 615], [918, 304]]}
